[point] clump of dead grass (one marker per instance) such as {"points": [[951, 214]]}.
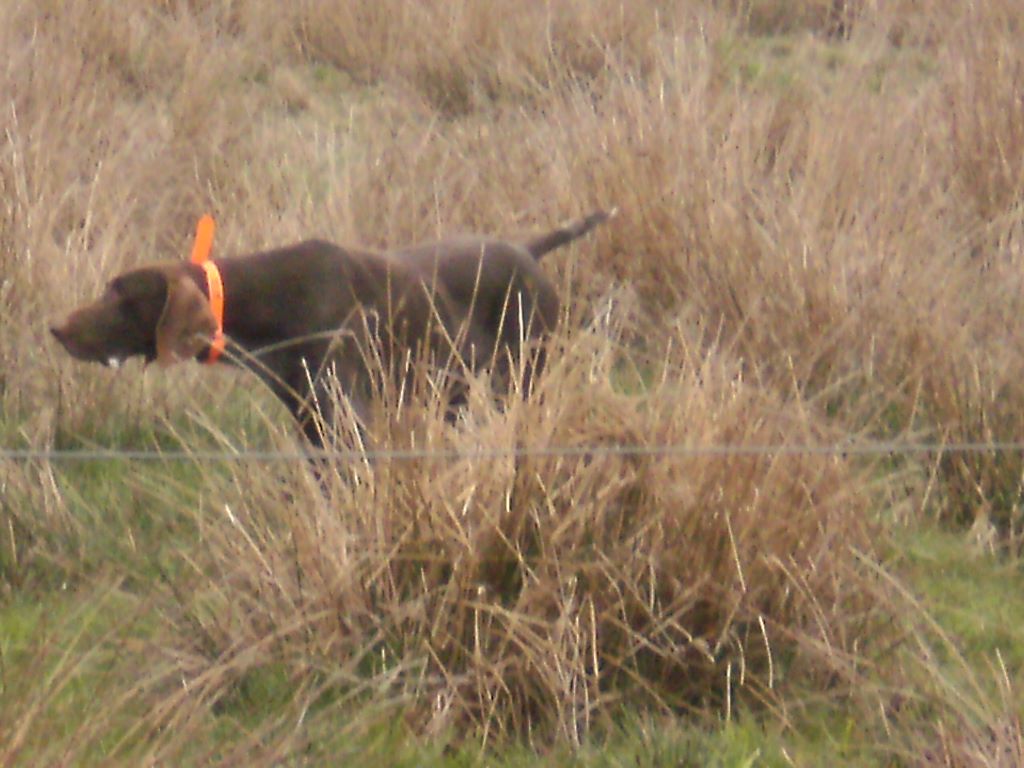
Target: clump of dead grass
{"points": [[513, 590]]}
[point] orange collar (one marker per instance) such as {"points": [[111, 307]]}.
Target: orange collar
{"points": [[214, 284]]}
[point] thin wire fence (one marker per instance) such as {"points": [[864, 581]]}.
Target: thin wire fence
{"points": [[691, 450]]}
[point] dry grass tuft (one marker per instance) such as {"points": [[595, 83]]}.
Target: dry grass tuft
{"points": [[537, 594]]}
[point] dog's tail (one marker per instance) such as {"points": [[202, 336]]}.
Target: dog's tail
{"points": [[556, 238]]}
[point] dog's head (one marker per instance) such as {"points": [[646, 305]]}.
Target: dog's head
{"points": [[158, 312]]}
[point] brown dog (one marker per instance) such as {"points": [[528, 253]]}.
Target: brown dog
{"points": [[303, 316]]}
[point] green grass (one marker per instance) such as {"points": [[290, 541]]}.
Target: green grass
{"points": [[63, 666], [977, 597]]}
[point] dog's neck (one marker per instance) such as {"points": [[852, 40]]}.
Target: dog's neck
{"points": [[200, 274], [249, 320]]}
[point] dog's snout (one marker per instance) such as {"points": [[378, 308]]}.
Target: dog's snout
{"points": [[69, 337]]}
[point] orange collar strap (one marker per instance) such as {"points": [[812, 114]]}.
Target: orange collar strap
{"points": [[214, 284]]}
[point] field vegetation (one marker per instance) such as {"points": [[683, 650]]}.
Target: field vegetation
{"points": [[819, 242]]}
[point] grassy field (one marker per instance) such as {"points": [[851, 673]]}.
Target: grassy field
{"points": [[820, 239]]}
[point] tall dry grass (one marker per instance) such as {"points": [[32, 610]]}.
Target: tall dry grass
{"points": [[535, 595], [819, 237]]}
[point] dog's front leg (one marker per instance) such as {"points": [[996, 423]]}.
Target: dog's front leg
{"points": [[336, 414]]}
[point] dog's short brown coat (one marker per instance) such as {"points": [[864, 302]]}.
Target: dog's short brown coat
{"points": [[296, 314]]}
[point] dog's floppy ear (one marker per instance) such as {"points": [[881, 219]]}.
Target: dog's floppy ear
{"points": [[186, 325]]}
